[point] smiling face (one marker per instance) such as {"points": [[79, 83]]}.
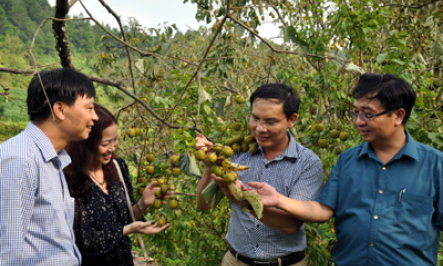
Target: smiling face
{"points": [[78, 118], [381, 129], [269, 124], [108, 144]]}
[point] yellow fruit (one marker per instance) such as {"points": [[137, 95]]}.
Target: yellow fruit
{"points": [[237, 139], [227, 151], [162, 221], [249, 139], [322, 143], [335, 133], [230, 177], [337, 150], [131, 132], [158, 203], [158, 193], [212, 157], [344, 135], [173, 204], [137, 132], [229, 142], [149, 169], [239, 99], [150, 157], [176, 171], [161, 181], [244, 147], [236, 147], [319, 127], [174, 160], [217, 170], [200, 155], [164, 188], [217, 147], [236, 126], [253, 148]]}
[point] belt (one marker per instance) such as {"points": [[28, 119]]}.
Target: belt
{"points": [[285, 260]]}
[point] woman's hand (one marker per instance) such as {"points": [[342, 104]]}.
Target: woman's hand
{"points": [[146, 228], [148, 196]]}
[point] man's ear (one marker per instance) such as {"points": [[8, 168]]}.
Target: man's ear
{"points": [[399, 116], [58, 109], [292, 119]]}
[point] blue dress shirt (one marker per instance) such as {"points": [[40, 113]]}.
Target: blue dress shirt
{"points": [[296, 173], [36, 209], [388, 214]]}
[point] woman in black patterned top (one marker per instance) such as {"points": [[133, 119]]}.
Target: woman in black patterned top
{"points": [[102, 221]]}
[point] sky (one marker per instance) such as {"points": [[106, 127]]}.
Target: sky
{"points": [[151, 13]]}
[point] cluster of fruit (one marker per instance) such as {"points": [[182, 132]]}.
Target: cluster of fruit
{"points": [[133, 132], [334, 134]]}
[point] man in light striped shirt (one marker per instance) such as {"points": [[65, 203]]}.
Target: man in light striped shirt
{"points": [[293, 170], [36, 210]]}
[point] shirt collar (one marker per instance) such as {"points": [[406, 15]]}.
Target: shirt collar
{"points": [[289, 152], [45, 146], [410, 149]]}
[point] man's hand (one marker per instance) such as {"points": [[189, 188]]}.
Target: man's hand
{"points": [[201, 142], [269, 196]]}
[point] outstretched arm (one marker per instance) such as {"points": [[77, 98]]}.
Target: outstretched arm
{"points": [[309, 211]]}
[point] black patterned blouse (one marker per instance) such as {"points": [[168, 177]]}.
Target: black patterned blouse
{"points": [[99, 222]]}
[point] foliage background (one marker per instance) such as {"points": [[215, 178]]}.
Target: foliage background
{"points": [[171, 85]]}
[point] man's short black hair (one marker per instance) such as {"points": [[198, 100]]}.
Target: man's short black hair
{"points": [[392, 92], [61, 84], [280, 92]]}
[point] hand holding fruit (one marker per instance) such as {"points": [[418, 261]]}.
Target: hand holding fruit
{"points": [[269, 196], [147, 228], [149, 194]]}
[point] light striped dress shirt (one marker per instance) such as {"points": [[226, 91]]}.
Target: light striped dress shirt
{"points": [[296, 173], [36, 210]]}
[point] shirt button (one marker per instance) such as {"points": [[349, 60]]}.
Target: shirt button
{"points": [[384, 168], [258, 225], [372, 244], [256, 246], [376, 217], [380, 191]]}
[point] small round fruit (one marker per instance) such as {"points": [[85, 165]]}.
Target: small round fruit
{"points": [[335, 133], [150, 157], [217, 147], [217, 170], [173, 204], [212, 157], [319, 127], [253, 148], [227, 151], [138, 132], [176, 171], [174, 160], [239, 99], [249, 139], [131, 133], [162, 221], [244, 147], [322, 143], [200, 155], [337, 150], [149, 169], [158, 193], [161, 181], [344, 135], [158, 203], [238, 139], [164, 188], [230, 177], [236, 147], [229, 142], [236, 126]]}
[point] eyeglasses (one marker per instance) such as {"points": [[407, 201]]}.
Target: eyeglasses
{"points": [[365, 116], [253, 121]]}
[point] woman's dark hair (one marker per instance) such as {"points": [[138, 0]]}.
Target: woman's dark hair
{"points": [[85, 157], [280, 92], [392, 92], [61, 84]]}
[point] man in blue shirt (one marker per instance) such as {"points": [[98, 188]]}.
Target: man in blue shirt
{"points": [[36, 210], [385, 194], [293, 170]]}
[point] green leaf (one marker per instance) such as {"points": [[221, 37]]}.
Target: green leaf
{"points": [[209, 192], [381, 57], [293, 36]]}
